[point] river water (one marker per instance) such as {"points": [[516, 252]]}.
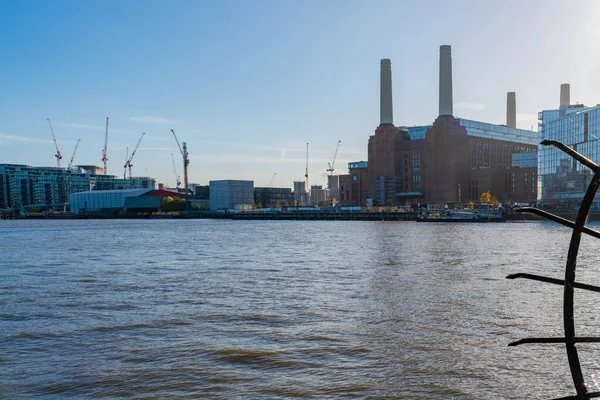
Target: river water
{"points": [[223, 309]]}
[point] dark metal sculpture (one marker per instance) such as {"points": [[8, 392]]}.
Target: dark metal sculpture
{"points": [[569, 283]]}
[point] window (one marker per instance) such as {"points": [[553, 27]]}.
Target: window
{"points": [[416, 182], [416, 160], [512, 185], [354, 178]]}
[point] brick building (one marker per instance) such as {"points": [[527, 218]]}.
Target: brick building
{"points": [[452, 161]]}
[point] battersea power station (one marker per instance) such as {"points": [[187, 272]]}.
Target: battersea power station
{"points": [[452, 161]]}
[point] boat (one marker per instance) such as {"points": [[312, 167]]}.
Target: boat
{"points": [[461, 216]]}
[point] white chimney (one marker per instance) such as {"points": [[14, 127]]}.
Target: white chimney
{"points": [[511, 110], [565, 94], [446, 80], [386, 115]]}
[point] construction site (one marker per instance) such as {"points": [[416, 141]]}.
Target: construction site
{"points": [[57, 190]]}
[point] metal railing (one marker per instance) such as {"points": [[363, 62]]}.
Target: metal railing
{"points": [[569, 283]]}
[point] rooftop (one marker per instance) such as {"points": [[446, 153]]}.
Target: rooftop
{"points": [[499, 132]]}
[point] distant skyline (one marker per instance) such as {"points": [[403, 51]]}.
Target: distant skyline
{"points": [[247, 84]]}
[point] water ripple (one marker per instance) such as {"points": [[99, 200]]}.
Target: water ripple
{"points": [[284, 310]]}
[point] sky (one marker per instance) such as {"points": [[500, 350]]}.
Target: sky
{"points": [[248, 83]]}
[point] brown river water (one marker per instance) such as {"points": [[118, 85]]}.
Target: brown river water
{"points": [[218, 309]]}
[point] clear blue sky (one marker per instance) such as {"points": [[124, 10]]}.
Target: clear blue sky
{"points": [[247, 83]]}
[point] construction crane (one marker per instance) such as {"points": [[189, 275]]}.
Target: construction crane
{"points": [[177, 177], [57, 155], [74, 151], [331, 183], [186, 161], [126, 158], [104, 156], [128, 163], [273, 178], [306, 173], [332, 163]]}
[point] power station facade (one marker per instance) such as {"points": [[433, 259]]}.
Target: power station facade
{"points": [[452, 161]]}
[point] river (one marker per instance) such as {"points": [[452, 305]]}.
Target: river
{"points": [[222, 309]]}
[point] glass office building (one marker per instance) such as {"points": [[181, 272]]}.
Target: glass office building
{"points": [[528, 159], [358, 164], [24, 187], [499, 132], [416, 132], [564, 180]]}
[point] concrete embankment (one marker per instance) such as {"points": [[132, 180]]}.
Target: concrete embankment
{"points": [[317, 215], [325, 215]]}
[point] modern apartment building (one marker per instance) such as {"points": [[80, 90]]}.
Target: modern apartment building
{"points": [[25, 187]]}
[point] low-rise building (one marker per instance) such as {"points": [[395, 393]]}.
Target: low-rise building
{"points": [[231, 195], [127, 201], [202, 192], [102, 200], [270, 197]]}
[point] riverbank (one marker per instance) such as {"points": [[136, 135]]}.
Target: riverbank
{"points": [[282, 215]]}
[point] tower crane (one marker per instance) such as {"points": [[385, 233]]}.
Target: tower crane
{"points": [[57, 155], [186, 162], [128, 163], [332, 163], [126, 158], [273, 178], [177, 177], [331, 181], [104, 156], [74, 151], [306, 173]]}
